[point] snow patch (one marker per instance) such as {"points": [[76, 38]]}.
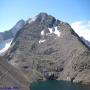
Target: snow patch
{"points": [[50, 30], [57, 32], [42, 32], [41, 41], [4, 45]]}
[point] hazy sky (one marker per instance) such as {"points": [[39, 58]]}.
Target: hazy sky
{"points": [[66, 10]]}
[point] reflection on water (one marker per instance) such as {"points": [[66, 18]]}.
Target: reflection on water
{"points": [[57, 85]]}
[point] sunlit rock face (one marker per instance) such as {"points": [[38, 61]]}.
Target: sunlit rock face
{"points": [[47, 48]]}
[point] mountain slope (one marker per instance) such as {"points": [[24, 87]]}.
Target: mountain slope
{"points": [[47, 48], [11, 77]]}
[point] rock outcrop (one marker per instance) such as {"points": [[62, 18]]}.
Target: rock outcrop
{"points": [[47, 48]]}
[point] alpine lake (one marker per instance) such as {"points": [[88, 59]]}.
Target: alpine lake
{"points": [[57, 85]]}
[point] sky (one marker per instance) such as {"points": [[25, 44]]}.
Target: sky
{"points": [[75, 12]]}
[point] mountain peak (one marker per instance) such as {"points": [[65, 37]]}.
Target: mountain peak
{"points": [[42, 14], [17, 27], [49, 47], [48, 20], [20, 21]]}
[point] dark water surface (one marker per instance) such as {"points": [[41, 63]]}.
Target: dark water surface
{"points": [[57, 85]]}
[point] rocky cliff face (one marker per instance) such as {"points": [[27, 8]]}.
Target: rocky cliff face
{"points": [[47, 48]]}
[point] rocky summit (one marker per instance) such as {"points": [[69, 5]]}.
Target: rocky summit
{"points": [[49, 49]]}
